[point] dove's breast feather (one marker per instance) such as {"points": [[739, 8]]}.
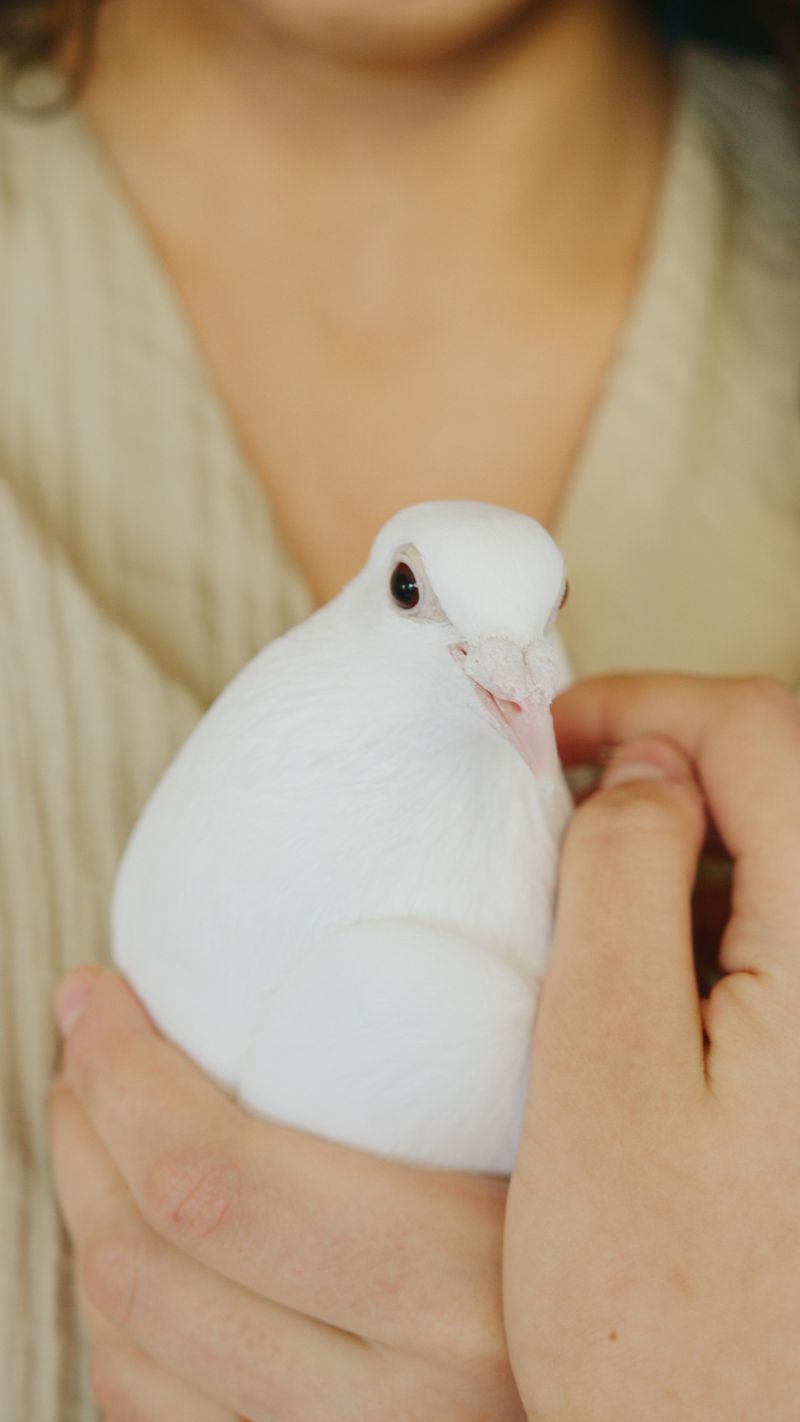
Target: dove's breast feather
{"points": [[399, 1037], [292, 812]]}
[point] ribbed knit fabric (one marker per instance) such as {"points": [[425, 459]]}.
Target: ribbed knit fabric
{"points": [[140, 566], [682, 524]]}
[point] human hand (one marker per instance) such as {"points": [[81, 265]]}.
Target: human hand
{"points": [[229, 1267], [652, 1249]]}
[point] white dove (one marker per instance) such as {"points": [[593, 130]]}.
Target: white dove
{"points": [[339, 898]]}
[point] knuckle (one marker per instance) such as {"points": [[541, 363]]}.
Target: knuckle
{"points": [[191, 1196], [110, 1269]]}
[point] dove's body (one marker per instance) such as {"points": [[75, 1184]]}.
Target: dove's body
{"points": [[329, 788]]}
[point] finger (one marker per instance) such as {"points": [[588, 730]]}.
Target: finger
{"points": [[244, 1352], [364, 1244], [744, 739], [584, 779], [125, 1382], [619, 1017]]}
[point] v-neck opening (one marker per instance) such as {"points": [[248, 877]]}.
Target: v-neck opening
{"points": [[610, 398]]}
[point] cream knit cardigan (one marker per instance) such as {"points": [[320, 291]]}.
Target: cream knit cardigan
{"points": [[140, 565]]}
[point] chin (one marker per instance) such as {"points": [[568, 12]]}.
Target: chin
{"points": [[390, 31]]}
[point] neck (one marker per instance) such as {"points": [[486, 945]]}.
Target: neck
{"points": [[548, 121]]}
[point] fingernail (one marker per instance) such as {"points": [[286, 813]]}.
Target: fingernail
{"points": [[653, 761], [72, 995], [631, 770]]}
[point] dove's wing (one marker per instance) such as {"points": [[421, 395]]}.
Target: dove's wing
{"points": [[401, 1038]]}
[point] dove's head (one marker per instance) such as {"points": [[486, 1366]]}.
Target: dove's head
{"points": [[474, 590]]}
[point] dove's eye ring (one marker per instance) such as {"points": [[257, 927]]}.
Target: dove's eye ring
{"points": [[404, 587]]}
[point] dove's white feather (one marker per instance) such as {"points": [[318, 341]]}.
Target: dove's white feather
{"points": [[349, 776]]}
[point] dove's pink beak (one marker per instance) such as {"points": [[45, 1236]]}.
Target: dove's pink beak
{"points": [[528, 725], [516, 685]]}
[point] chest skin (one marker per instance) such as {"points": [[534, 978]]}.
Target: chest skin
{"points": [[436, 394], [373, 345]]}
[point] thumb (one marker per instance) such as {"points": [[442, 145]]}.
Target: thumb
{"points": [[619, 1010]]}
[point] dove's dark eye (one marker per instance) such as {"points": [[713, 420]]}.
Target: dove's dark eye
{"points": [[404, 587]]}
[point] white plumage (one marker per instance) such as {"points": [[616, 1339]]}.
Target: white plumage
{"points": [[339, 898]]}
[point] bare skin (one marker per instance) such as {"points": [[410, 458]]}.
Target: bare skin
{"points": [[407, 259]]}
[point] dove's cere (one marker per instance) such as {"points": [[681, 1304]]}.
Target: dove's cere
{"points": [[339, 898]]}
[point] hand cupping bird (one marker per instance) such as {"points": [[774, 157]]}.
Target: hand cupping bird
{"points": [[339, 898]]}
